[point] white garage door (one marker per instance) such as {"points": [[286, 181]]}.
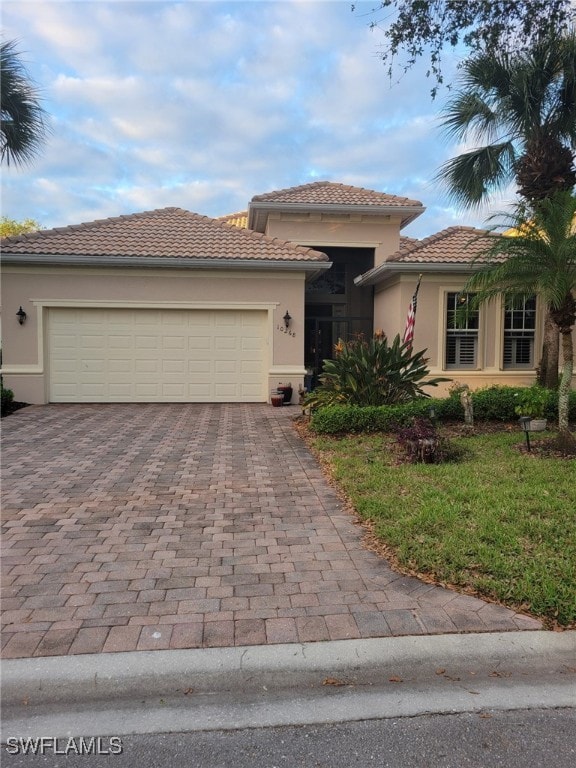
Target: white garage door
{"points": [[148, 355]]}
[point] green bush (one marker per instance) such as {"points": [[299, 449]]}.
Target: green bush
{"points": [[500, 403], [337, 419], [371, 373], [496, 403], [532, 402], [6, 399], [490, 404]]}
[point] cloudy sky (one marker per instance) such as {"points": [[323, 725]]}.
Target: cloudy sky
{"points": [[202, 105]]}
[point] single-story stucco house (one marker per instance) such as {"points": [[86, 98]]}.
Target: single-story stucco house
{"points": [[171, 306]]}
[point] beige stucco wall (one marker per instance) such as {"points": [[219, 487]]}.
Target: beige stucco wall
{"points": [[318, 229], [391, 302], [39, 288]]}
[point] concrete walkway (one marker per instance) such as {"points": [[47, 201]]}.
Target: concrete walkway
{"points": [[156, 527]]}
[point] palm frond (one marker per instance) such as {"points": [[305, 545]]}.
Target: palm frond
{"points": [[23, 125], [472, 176], [525, 100], [468, 113], [539, 254]]}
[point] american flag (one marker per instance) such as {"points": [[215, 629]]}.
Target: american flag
{"points": [[411, 319]]}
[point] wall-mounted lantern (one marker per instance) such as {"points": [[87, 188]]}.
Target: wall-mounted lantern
{"points": [[21, 315], [287, 319]]}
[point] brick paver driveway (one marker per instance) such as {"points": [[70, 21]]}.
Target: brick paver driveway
{"points": [[130, 527]]}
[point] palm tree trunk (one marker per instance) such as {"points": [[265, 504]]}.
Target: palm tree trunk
{"points": [[548, 367], [564, 388]]}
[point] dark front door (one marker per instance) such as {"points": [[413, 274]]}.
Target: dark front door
{"points": [[322, 333]]}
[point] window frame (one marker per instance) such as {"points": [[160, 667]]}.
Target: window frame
{"points": [[525, 332], [460, 334]]}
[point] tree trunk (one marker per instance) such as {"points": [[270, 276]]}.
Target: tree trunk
{"points": [[548, 367], [565, 382]]}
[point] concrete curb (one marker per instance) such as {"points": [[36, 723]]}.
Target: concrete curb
{"points": [[89, 678]]}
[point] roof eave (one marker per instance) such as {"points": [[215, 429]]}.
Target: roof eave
{"points": [[258, 211], [381, 273], [153, 262]]}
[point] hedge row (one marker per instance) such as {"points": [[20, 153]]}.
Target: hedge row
{"points": [[490, 404]]}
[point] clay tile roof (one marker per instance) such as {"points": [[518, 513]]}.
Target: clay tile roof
{"points": [[407, 242], [239, 219], [454, 245], [331, 193], [167, 232]]}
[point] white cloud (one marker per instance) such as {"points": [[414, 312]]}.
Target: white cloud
{"points": [[204, 104]]}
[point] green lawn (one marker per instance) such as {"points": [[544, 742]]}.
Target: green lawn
{"points": [[500, 521]]}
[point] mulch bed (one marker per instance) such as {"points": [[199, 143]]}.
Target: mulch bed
{"points": [[12, 408]]}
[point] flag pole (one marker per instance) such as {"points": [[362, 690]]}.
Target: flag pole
{"points": [[411, 318]]}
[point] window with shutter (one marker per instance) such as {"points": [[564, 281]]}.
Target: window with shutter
{"points": [[461, 332], [519, 332]]}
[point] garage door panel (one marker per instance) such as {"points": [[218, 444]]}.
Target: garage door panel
{"points": [[175, 367], [198, 367], [225, 320], [92, 341], [92, 389], [65, 365], [251, 366], [120, 366], [199, 320], [151, 355], [225, 343], [226, 367], [151, 317], [146, 342], [226, 390], [249, 344], [146, 366], [174, 342], [175, 391], [199, 392], [199, 342], [93, 366], [146, 390], [120, 390], [120, 342], [65, 340]]}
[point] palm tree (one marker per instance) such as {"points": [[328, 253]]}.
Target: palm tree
{"points": [[522, 106], [22, 122], [541, 260]]}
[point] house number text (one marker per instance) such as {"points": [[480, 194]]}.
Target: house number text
{"points": [[283, 329]]}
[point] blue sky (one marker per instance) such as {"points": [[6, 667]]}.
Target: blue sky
{"points": [[202, 105]]}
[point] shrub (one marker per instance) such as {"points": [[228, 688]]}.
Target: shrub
{"points": [[421, 442], [500, 403], [490, 404], [532, 402], [495, 403], [372, 372], [6, 399], [335, 419]]}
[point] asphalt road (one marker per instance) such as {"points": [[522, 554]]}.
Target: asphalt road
{"points": [[490, 739]]}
